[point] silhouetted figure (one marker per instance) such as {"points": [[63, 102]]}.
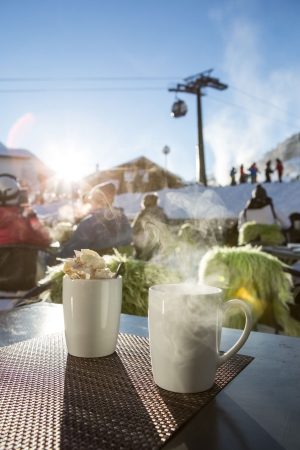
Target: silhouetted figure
{"points": [[148, 227], [243, 176], [15, 228], [279, 168], [232, 174], [253, 173], [104, 228], [268, 172], [19, 227], [260, 209]]}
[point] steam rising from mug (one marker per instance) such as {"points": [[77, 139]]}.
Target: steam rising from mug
{"points": [[181, 245], [185, 326]]}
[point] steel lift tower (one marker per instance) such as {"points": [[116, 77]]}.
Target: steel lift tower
{"points": [[194, 85]]}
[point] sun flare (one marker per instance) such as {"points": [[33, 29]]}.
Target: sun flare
{"points": [[70, 168]]}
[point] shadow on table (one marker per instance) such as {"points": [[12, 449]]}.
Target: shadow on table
{"points": [[101, 408], [222, 425]]}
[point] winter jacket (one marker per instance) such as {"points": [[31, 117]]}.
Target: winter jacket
{"points": [[104, 228], [243, 176], [148, 215], [268, 172], [16, 229], [253, 171], [279, 167]]}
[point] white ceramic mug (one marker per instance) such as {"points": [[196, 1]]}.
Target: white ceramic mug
{"points": [[92, 310], [185, 326]]}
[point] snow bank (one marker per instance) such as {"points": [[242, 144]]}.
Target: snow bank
{"points": [[195, 202], [214, 202]]}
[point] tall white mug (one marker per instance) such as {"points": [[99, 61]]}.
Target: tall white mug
{"points": [[92, 310], [185, 326]]}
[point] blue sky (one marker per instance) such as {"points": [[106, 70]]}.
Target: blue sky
{"points": [[252, 45]]}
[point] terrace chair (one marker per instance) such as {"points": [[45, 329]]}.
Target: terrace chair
{"points": [[295, 306], [293, 233], [18, 267]]}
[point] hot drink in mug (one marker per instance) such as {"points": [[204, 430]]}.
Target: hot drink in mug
{"points": [[185, 326]]}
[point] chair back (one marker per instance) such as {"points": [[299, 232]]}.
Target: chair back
{"points": [[294, 230], [18, 266], [295, 221]]}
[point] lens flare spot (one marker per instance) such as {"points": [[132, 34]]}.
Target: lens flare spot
{"points": [[20, 130]]}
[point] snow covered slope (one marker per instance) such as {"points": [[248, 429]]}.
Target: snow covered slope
{"points": [[214, 202], [289, 152]]}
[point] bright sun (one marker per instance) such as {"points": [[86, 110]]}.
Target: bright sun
{"points": [[70, 169]]}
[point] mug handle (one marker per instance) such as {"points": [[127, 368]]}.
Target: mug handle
{"points": [[248, 326]]}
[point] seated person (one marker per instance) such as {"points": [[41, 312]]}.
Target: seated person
{"points": [[147, 227], [260, 209], [18, 265], [15, 228], [105, 227]]}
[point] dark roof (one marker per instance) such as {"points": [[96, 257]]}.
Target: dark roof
{"points": [[14, 153]]}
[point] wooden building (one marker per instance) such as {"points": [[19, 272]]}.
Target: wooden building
{"points": [[138, 175]]}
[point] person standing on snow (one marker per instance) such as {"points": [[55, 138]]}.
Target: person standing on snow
{"points": [[243, 176], [268, 172], [232, 174], [253, 173], [279, 168]]}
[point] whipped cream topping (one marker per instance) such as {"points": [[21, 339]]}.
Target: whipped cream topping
{"points": [[86, 265]]}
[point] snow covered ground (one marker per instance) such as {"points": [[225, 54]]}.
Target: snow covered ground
{"points": [[215, 202], [194, 202], [62, 210]]}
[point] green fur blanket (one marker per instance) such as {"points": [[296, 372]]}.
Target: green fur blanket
{"points": [[248, 274], [137, 276], [252, 231]]}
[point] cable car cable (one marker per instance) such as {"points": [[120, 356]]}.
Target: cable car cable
{"points": [[262, 101], [252, 112]]}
